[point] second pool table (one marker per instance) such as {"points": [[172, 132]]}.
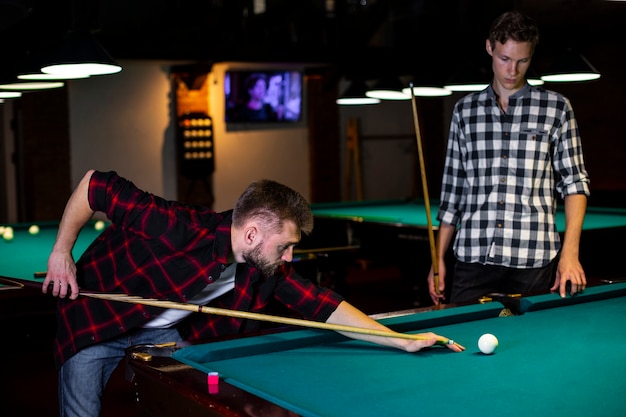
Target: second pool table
{"points": [[397, 230], [412, 213], [562, 357]]}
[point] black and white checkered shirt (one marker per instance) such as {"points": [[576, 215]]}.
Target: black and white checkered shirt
{"points": [[502, 173]]}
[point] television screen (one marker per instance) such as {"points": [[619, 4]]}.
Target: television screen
{"points": [[263, 96]]}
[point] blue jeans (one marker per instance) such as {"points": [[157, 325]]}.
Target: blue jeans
{"points": [[82, 378]]}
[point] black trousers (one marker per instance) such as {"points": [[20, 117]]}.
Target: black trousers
{"points": [[473, 280]]}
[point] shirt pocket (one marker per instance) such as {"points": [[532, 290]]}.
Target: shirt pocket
{"points": [[534, 150], [534, 156]]}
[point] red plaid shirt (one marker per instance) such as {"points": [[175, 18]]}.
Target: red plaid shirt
{"points": [[168, 250]]}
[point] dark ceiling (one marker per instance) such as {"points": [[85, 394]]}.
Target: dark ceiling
{"points": [[358, 37]]}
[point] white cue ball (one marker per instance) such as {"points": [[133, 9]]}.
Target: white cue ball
{"points": [[487, 343], [99, 225], [33, 230]]}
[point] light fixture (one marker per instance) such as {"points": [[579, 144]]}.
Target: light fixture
{"points": [[427, 84], [41, 76], [355, 95], [29, 69], [389, 88], [470, 78], [80, 54], [9, 81], [466, 87], [570, 66], [533, 78], [29, 86], [427, 91], [10, 94]]}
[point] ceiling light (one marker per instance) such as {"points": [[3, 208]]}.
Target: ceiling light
{"points": [[466, 87], [10, 94], [355, 95], [80, 54], [533, 78], [427, 84], [10, 82], [388, 89], [571, 66], [41, 76], [24, 86], [427, 91], [473, 77], [30, 68]]}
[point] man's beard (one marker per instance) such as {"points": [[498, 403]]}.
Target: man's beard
{"points": [[255, 259]]}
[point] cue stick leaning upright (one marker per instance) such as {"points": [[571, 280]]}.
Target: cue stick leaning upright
{"points": [[420, 152]]}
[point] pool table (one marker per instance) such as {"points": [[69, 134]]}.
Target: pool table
{"points": [[25, 313], [412, 213], [559, 357], [398, 230], [28, 253]]}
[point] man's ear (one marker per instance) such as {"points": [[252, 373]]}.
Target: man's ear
{"points": [[250, 234], [488, 47]]}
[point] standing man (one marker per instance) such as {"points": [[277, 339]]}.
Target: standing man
{"points": [[238, 259], [512, 147]]}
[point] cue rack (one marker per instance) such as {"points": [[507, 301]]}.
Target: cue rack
{"points": [[195, 145]]}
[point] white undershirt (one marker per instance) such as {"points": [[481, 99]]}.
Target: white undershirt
{"points": [[220, 286]]}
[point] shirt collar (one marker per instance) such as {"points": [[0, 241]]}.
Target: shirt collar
{"points": [[491, 93]]}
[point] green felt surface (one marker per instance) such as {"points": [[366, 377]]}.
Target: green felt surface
{"points": [[561, 358], [27, 254], [413, 213]]}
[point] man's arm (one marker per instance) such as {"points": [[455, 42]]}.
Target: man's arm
{"points": [[444, 237], [61, 267], [569, 268], [347, 314]]}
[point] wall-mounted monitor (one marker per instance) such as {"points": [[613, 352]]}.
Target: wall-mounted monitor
{"points": [[258, 97]]}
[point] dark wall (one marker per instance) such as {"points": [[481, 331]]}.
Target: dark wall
{"points": [[42, 154]]}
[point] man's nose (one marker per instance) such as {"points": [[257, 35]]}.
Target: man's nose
{"points": [[287, 255]]}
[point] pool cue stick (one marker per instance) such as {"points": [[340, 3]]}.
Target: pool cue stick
{"points": [[22, 283], [18, 283], [431, 234], [259, 316]]}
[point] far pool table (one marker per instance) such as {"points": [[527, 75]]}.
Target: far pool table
{"points": [[562, 357], [398, 229], [27, 254], [25, 314], [412, 213]]}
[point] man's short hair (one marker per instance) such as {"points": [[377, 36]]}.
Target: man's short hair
{"points": [[273, 203], [515, 26]]}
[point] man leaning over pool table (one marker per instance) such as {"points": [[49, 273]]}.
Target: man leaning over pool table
{"points": [[238, 259]]}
